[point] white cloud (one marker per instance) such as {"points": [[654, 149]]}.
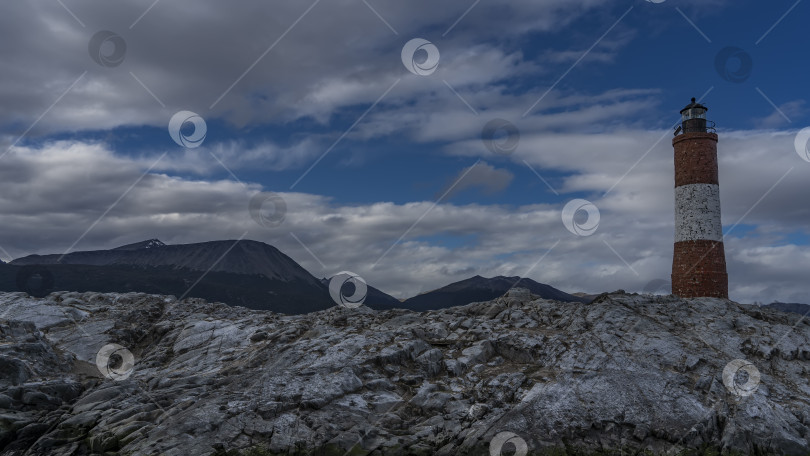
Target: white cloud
{"points": [[340, 54], [73, 183], [782, 115]]}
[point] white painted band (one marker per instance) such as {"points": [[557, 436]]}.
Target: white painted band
{"points": [[697, 213]]}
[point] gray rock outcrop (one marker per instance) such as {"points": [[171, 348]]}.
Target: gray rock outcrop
{"points": [[631, 372]]}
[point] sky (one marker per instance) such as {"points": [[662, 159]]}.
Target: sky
{"points": [[413, 143]]}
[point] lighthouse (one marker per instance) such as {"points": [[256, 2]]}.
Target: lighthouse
{"points": [[699, 260]]}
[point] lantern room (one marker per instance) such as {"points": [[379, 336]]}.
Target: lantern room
{"points": [[693, 119]]}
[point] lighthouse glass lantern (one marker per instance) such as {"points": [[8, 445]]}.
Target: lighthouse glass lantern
{"points": [[693, 118]]}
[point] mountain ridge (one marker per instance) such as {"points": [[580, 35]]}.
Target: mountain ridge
{"points": [[213, 270], [147, 244], [793, 307], [251, 258], [479, 289], [235, 256]]}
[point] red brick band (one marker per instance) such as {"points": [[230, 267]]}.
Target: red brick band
{"points": [[695, 158], [699, 270]]}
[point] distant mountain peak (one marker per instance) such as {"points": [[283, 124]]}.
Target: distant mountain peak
{"points": [[147, 244], [480, 289], [231, 256]]}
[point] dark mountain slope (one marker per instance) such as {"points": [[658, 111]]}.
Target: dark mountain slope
{"points": [[243, 257], [245, 273], [478, 289]]}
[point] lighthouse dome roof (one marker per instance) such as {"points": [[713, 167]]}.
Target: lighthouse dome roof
{"points": [[694, 104]]}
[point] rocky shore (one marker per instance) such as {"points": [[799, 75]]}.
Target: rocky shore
{"points": [[136, 374]]}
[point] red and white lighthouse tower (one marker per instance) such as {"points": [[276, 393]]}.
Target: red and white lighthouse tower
{"points": [[699, 262]]}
